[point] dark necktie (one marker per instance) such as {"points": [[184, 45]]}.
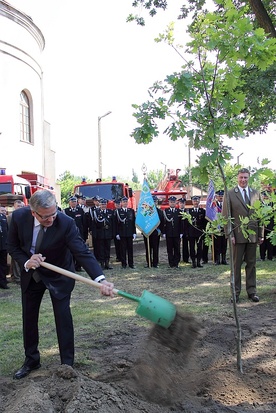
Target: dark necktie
{"points": [[38, 243], [246, 199]]}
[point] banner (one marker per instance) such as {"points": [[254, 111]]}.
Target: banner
{"points": [[211, 206], [147, 219]]}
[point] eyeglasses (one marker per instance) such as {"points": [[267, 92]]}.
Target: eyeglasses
{"points": [[44, 218]]}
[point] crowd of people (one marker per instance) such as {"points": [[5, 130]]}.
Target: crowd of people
{"points": [[184, 238]]}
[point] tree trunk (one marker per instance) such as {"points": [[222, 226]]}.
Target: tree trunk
{"points": [[262, 17]]}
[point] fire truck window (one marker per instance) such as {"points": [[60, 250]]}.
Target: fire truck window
{"points": [[18, 190]]}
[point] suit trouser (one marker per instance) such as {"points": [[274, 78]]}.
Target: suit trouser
{"points": [[104, 246], [245, 252], [173, 250], [127, 251], [196, 247], [185, 249], [3, 266], [153, 251], [31, 300]]}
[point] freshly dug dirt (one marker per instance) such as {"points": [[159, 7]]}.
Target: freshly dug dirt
{"points": [[189, 368]]}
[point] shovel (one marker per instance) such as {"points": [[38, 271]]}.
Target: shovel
{"points": [[151, 306]]}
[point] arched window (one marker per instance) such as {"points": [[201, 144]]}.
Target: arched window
{"points": [[25, 118]]}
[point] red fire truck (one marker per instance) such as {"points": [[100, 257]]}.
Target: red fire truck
{"points": [[108, 190], [20, 186], [170, 185]]}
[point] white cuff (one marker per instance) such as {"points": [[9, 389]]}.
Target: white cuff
{"points": [[25, 266], [99, 278]]}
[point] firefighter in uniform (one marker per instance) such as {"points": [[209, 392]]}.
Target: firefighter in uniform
{"points": [[86, 218], [184, 223], [92, 225], [74, 211], [266, 248], [103, 218], [117, 243], [3, 248], [172, 232], [220, 242], [195, 231], [154, 239], [125, 230]]}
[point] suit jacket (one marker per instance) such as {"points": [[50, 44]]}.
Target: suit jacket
{"points": [[125, 222], [239, 208], [172, 222], [78, 216], [104, 223], [61, 242], [3, 232], [198, 222]]}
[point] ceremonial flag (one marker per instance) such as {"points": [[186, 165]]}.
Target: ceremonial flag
{"points": [[147, 219], [211, 206]]}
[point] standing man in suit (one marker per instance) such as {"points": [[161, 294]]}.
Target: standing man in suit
{"points": [[196, 231], [75, 211], [104, 233], [117, 243], [244, 249], [59, 243], [172, 232], [3, 248], [184, 223], [266, 248], [15, 270], [152, 253], [92, 224], [220, 242], [125, 230]]}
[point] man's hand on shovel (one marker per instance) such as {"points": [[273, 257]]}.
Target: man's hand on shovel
{"points": [[107, 288]]}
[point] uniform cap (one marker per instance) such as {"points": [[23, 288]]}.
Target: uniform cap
{"points": [[73, 198], [182, 200], [103, 201], [172, 198], [83, 197], [195, 198], [220, 192], [124, 198], [96, 197], [117, 201]]}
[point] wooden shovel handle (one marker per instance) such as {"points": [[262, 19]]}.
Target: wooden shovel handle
{"points": [[73, 275]]}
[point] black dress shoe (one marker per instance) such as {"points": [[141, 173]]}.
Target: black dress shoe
{"points": [[24, 371], [132, 266], [4, 286], [199, 265], [253, 297]]}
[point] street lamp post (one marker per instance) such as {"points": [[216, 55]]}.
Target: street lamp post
{"points": [[238, 158], [100, 166]]}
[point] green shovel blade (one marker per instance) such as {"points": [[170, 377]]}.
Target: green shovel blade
{"points": [[154, 308]]}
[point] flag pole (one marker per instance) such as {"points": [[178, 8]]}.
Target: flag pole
{"points": [[148, 244]]}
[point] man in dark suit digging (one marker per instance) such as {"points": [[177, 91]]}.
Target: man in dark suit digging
{"points": [[37, 233]]}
